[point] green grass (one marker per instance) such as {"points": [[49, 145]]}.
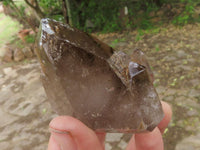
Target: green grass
{"points": [[8, 29]]}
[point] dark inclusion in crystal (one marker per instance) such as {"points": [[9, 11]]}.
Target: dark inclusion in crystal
{"points": [[85, 78]]}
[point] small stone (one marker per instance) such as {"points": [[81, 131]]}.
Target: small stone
{"points": [[184, 67], [195, 82], [189, 143], [127, 137], [27, 52], [18, 55], [181, 54], [7, 70], [5, 94], [170, 58], [18, 106], [194, 93], [114, 137], [170, 91], [169, 98], [187, 102], [8, 57], [108, 146], [6, 118], [3, 51], [192, 112], [161, 89], [10, 72], [122, 144]]}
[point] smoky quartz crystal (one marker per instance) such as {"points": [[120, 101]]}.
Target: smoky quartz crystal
{"points": [[83, 77]]}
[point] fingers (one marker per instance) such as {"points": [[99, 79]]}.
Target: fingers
{"points": [[168, 115], [152, 140], [146, 141], [101, 136], [60, 141], [131, 145], [79, 137], [53, 144]]}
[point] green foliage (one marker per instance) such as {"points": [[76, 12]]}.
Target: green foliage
{"points": [[8, 29], [142, 32], [139, 35], [187, 15], [139, 14], [145, 24], [22, 9], [116, 41], [6, 2], [30, 38], [50, 6], [107, 16], [58, 17], [183, 18], [103, 15]]}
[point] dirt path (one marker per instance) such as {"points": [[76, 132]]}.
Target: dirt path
{"points": [[174, 55]]}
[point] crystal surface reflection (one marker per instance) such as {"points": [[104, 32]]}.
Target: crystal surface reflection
{"points": [[85, 78]]}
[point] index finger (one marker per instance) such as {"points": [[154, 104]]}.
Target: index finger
{"points": [[84, 137]]}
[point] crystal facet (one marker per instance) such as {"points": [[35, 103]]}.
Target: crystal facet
{"points": [[85, 78]]}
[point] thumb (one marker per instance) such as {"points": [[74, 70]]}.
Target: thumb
{"points": [[76, 133], [61, 141]]}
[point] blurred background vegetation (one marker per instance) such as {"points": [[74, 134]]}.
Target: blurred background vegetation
{"points": [[105, 15]]}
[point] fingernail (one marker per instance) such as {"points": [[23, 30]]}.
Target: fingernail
{"points": [[51, 129], [63, 139]]}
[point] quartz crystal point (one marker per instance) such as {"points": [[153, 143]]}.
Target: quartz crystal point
{"points": [[85, 78]]}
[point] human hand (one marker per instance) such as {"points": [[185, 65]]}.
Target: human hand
{"points": [[68, 133]]}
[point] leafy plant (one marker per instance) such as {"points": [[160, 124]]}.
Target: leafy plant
{"points": [[139, 35], [102, 14], [49, 6], [106, 15], [187, 15], [30, 38]]}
